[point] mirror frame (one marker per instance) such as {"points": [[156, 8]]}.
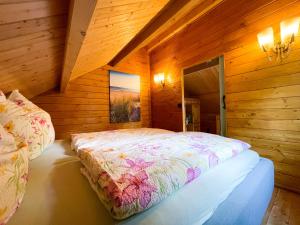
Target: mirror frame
{"points": [[220, 60]]}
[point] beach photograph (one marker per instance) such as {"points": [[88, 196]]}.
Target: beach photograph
{"points": [[124, 96]]}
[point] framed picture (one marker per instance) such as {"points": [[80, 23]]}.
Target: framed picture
{"points": [[124, 97]]}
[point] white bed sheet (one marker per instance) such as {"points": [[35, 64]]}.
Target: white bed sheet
{"points": [[58, 194]]}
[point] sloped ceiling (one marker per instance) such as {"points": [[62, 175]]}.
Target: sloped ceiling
{"points": [[110, 30], [45, 43], [108, 25], [32, 37], [202, 82]]}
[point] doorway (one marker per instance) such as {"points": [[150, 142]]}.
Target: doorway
{"points": [[204, 105]]}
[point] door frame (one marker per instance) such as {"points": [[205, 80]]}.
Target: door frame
{"points": [[206, 64]]}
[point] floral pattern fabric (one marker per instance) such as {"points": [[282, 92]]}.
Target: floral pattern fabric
{"points": [[136, 175], [2, 97], [7, 141], [113, 137], [20, 100], [25, 120], [13, 179]]}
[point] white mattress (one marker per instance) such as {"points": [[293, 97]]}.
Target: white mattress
{"points": [[58, 194]]}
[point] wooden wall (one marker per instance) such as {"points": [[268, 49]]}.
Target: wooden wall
{"points": [[263, 98], [84, 107], [32, 36], [210, 109]]}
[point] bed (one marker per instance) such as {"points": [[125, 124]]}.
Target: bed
{"points": [[58, 194]]}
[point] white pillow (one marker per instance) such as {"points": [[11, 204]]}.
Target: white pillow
{"points": [[24, 119]]}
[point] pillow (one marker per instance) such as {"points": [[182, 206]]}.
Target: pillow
{"points": [[13, 179], [24, 119], [2, 97], [7, 141], [22, 101]]}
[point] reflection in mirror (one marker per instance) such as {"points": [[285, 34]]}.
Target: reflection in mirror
{"points": [[203, 97]]}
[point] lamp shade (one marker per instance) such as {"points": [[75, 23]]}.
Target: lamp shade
{"points": [[288, 28], [266, 38], [159, 78]]}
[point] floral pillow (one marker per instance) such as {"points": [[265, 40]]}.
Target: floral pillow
{"points": [[13, 179], [25, 120], [2, 97], [22, 101], [7, 141]]}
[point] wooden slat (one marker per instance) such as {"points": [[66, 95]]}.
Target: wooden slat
{"points": [[293, 125], [26, 27], [269, 93], [280, 151], [287, 182], [267, 114], [272, 103], [279, 81], [15, 12], [274, 135]]}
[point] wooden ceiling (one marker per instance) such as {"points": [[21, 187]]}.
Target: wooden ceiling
{"points": [[110, 30], [202, 82], [32, 38], [107, 26], [40, 48]]}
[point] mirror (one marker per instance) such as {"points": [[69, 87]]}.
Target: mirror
{"points": [[204, 97]]}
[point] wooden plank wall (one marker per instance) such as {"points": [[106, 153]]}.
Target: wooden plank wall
{"points": [[263, 97], [210, 109], [84, 107], [32, 37]]}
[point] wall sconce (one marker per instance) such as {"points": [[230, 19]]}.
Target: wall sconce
{"points": [[160, 79], [288, 31]]}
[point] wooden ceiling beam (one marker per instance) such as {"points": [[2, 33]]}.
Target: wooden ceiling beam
{"points": [[80, 17], [180, 24], [176, 15], [96, 32]]}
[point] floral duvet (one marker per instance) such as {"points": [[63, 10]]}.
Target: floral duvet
{"points": [[135, 175]]}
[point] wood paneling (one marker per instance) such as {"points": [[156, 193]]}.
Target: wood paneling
{"points": [[210, 109], [173, 17], [263, 98], [179, 23], [84, 107], [100, 29], [202, 82], [32, 36]]}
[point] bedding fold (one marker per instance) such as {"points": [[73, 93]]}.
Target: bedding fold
{"points": [[140, 172], [113, 138]]}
